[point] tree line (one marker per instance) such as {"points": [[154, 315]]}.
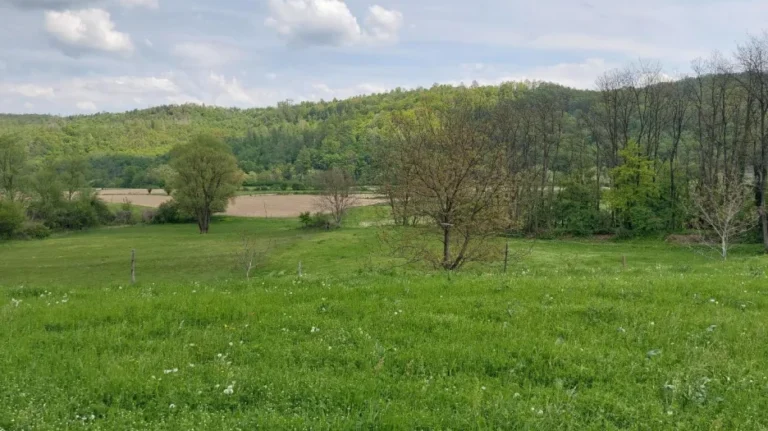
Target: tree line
{"points": [[646, 155], [632, 157]]}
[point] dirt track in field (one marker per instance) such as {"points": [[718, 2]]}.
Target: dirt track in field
{"points": [[243, 206]]}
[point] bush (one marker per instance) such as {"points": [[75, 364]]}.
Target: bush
{"points": [[85, 211], [170, 212], [148, 215], [124, 218], [32, 230], [126, 215], [11, 218], [317, 221]]}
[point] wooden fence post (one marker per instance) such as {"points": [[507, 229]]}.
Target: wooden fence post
{"points": [[133, 266], [506, 256]]}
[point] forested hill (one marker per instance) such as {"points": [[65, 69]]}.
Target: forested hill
{"points": [[282, 142]]}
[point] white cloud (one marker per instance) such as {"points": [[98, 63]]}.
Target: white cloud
{"points": [[90, 29], [46, 4], [318, 91], [86, 94], [151, 4], [575, 75], [27, 90], [585, 42], [314, 22], [86, 106], [331, 23], [206, 54], [231, 91], [383, 25]]}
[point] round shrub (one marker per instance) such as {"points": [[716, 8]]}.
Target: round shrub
{"points": [[11, 218], [171, 212], [32, 230]]}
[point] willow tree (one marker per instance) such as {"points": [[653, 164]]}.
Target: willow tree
{"points": [[207, 177]]}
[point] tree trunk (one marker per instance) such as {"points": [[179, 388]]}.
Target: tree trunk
{"points": [[447, 247], [204, 220], [764, 221], [724, 247]]}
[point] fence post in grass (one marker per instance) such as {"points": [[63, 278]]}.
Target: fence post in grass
{"points": [[300, 273], [133, 266], [506, 256], [624, 260]]}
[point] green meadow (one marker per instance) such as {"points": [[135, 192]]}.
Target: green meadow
{"points": [[568, 338]]}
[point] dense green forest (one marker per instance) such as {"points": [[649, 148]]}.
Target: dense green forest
{"points": [[275, 144]]}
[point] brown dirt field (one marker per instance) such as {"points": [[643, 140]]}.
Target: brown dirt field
{"points": [[243, 206]]}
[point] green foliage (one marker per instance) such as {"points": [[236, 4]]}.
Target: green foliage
{"points": [[170, 212], [32, 230], [73, 172], [161, 176], [635, 195], [126, 214], [11, 218], [207, 177], [576, 208], [13, 166], [318, 220]]}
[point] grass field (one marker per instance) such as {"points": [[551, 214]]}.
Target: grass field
{"points": [[567, 339]]}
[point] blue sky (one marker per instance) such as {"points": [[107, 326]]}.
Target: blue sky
{"points": [[83, 56]]}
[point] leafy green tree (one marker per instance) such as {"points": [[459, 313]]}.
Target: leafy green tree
{"points": [[207, 177], [11, 218], [73, 172], [163, 176], [576, 208], [634, 194], [13, 166]]}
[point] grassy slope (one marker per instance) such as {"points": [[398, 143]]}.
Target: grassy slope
{"points": [[568, 339]]}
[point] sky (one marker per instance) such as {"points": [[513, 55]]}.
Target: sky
{"points": [[84, 56]]}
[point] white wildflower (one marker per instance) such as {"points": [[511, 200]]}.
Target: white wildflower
{"points": [[230, 389]]}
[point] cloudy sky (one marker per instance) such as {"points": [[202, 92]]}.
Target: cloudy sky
{"points": [[82, 56]]}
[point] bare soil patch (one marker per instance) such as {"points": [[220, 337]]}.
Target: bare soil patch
{"points": [[243, 206]]}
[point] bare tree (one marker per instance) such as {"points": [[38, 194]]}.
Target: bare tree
{"points": [[250, 254], [458, 178], [722, 213], [336, 195], [614, 112], [395, 177], [753, 60], [679, 117]]}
